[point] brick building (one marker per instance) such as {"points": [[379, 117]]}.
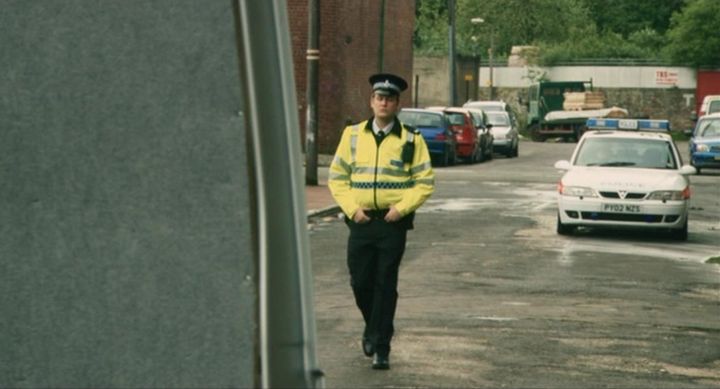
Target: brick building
{"points": [[349, 53]]}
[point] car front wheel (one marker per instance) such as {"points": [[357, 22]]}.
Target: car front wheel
{"points": [[535, 135], [681, 234], [510, 152], [564, 229]]}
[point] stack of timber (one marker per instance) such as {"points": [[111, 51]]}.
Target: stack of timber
{"points": [[612, 112], [578, 101]]}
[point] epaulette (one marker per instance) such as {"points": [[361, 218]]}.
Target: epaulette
{"points": [[411, 129]]}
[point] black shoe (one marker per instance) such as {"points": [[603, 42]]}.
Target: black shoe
{"points": [[381, 363], [368, 348]]}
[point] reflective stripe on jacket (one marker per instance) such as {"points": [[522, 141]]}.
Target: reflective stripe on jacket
{"points": [[364, 174]]}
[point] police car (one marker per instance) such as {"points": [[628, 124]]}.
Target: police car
{"points": [[625, 173]]}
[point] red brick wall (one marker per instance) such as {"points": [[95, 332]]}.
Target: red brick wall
{"points": [[349, 43], [298, 23], [708, 83]]}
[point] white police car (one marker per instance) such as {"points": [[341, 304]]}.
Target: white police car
{"points": [[625, 173]]}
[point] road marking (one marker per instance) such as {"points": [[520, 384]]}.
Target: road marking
{"points": [[515, 303], [494, 318], [678, 252], [457, 244]]}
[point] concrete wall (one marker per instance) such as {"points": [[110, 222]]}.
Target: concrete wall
{"points": [[640, 77], [432, 81], [126, 257], [656, 92]]}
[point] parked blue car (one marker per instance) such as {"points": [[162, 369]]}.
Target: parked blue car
{"points": [[705, 143], [435, 129]]}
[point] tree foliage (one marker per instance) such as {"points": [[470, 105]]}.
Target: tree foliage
{"points": [[684, 31], [506, 23], [694, 34], [625, 17]]}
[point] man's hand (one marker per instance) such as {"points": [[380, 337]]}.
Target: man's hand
{"points": [[360, 217], [393, 215]]}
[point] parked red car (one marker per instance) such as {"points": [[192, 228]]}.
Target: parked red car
{"points": [[462, 125]]}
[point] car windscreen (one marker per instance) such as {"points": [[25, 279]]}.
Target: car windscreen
{"points": [[713, 106], [708, 128], [498, 119], [477, 119], [456, 119], [421, 119], [626, 152]]}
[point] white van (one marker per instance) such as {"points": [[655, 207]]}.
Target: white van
{"points": [[710, 104]]}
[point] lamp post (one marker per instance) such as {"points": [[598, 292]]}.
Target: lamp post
{"points": [[311, 114], [452, 100], [478, 63], [490, 54]]}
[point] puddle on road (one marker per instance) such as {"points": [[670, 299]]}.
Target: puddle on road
{"points": [[684, 252], [538, 202], [455, 244], [703, 294], [602, 343], [497, 183], [543, 234], [528, 199], [515, 303], [457, 204]]}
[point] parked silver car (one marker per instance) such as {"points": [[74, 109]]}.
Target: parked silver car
{"points": [[505, 133], [494, 106]]}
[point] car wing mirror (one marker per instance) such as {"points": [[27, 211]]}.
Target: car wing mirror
{"points": [[563, 165], [688, 170]]}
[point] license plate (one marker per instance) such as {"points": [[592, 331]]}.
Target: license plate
{"points": [[621, 208], [627, 124]]}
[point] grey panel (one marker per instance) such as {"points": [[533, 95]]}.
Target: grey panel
{"points": [[125, 249], [286, 305]]}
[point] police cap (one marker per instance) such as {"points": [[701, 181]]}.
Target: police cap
{"points": [[387, 84]]}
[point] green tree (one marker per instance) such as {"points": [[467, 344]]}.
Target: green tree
{"points": [[431, 26], [694, 36], [507, 23], [590, 44], [577, 29], [625, 17]]}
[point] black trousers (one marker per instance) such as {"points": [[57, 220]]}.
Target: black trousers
{"points": [[375, 250]]}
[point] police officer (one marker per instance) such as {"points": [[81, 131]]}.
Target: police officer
{"points": [[380, 175]]}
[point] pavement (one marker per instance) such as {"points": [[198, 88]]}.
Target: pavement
{"points": [[318, 200]]}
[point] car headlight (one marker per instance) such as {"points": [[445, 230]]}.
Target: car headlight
{"points": [[576, 191], [670, 195], [703, 148], [508, 136]]}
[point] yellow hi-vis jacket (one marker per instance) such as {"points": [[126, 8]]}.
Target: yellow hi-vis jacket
{"points": [[371, 176]]}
